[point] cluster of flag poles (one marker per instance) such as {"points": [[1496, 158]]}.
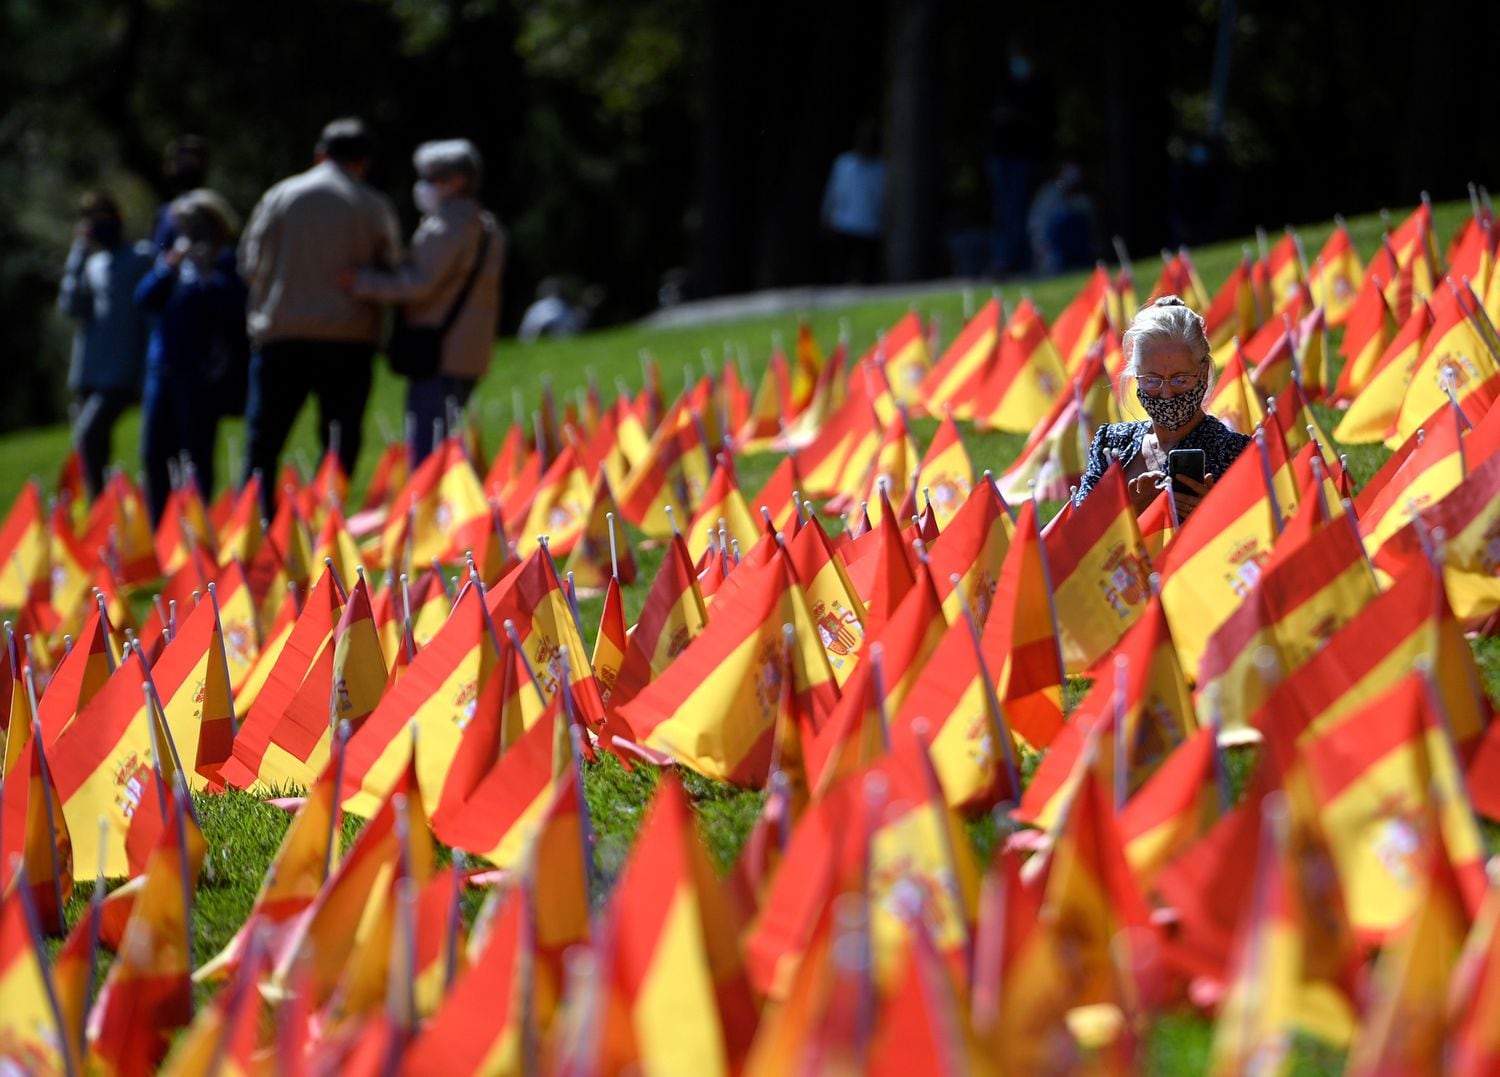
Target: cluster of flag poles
{"points": [[883, 681]]}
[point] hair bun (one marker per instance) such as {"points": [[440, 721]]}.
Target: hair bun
{"points": [[1168, 301]]}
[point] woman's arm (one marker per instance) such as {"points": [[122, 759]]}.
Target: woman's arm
{"points": [[1098, 462], [434, 249], [156, 286]]}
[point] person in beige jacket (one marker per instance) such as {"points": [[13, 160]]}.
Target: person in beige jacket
{"points": [[309, 336], [456, 232]]}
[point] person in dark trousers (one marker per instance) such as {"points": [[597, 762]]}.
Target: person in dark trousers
{"points": [[311, 336], [458, 246], [109, 345], [199, 302]]}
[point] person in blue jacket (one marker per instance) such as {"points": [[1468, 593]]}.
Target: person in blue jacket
{"points": [[197, 347], [109, 343]]}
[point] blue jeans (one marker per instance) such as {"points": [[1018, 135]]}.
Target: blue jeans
{"points": [[427, 402]]}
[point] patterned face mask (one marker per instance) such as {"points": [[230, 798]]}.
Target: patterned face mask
{"points": [[1174, 412]]}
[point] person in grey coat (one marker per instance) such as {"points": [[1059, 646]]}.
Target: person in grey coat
{"points": [[455, 232], [109, 344]]}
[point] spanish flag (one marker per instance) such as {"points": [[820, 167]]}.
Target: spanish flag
{"points": [[350, 903], [439, 694], [1436, 466], [779, 495], [77, 679], [304, 661], [1373, 411], [951, 386], [723, 506], [560, 508], [671, 953], [902, 355], [1235, 398], [1306, 592], [590, 563], [855, 733], [610, 642], [1336, 275], [35, 848], [1084, 320], [972, 547], [1233, 311], [1370, 327], [1142, 692], [481, 1025], [1258, 1017], [828, 397], [308, 852], [1376, 774], [148, 993], [673, 472], [1469, 517], [1092, 917], [23, 548], [1214, 562], [672, 617], [1100, 573], [1055, 456], [103, 762], [32, 1029], [334, 543], [1473, 1032], [1177, 805], [1026, 377], [837, 612], [771, 407], [192, 680], [714, 708], [1458, 357], [946, 473], [1179, 277], [893, 468], [1406, 1023]]}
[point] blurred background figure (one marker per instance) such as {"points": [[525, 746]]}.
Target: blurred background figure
{"points": [[109, 343], [450, 280], [1019, 135], [1062, 224], [198, 355], [312, 337], [853, 212], [184, 168], [555, 313]]}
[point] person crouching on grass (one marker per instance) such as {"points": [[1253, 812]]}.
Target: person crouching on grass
{"points": [[1167, 356]]}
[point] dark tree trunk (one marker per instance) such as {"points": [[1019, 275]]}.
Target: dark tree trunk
{"points": [[913, 189]]}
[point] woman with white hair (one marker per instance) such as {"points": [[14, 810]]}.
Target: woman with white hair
{"points": [[1167, 356], [448, 288]]}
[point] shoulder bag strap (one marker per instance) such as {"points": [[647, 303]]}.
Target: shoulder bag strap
{"points": [[463, 293]]}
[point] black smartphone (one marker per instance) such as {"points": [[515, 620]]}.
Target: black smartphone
{"points": [[1185, 463]]}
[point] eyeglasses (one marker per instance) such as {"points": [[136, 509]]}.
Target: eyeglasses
{"points": [[1180, 383]]}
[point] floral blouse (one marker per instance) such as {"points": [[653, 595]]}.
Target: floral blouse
{"points": [[1221, 447]]}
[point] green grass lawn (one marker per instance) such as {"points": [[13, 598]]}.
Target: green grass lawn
{"points": [[243, 833]]}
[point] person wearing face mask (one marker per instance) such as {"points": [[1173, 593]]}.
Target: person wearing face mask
{"points": [[1167, 356], [98, 293], [450, 282], [196, 344], [310, 337]]}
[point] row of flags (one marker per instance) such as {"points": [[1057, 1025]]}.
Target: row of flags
{"points": [[881, 682]]}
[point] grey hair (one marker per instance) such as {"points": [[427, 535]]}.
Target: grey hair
{"points": [[449, 157], [1168, 320]]}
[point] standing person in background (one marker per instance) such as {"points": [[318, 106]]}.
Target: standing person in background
{"points": [[310, 336], [450, 282], [184, 168], [199, 303], [854, 208], [98, 293]]}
